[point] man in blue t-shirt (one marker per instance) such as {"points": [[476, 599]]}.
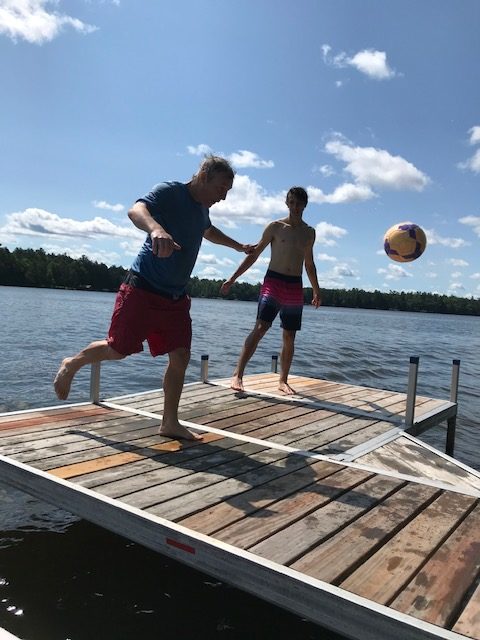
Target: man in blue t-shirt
{"points": [[152, 303]]}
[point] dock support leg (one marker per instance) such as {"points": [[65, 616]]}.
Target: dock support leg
{"points": [[204, 368], [412, 391], [274, 364], [452, 422], [95, 383]]}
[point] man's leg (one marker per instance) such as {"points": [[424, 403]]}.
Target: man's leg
{"points": [[286, 361], [95, 352], [249, 348], [172, 386]]}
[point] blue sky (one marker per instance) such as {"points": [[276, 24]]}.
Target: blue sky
{"points": [[372, 105]]}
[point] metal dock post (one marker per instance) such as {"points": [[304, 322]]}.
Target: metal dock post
{"points": [[452, 422], [204, 368], [274, 364], [95, 383], [412, 391]]}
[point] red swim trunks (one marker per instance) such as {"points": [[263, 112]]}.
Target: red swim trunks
{"points": [[140, 315], [284, 294]]}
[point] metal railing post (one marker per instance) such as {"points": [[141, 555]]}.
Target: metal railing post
{"points": [[452, 422], [95, 383], [411, 391], [204, 368], [274, 364]]}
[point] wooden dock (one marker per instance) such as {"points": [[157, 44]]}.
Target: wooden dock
{"points": [[323, 503]]}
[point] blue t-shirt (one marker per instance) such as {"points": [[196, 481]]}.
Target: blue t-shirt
{"points": [[172, 206]]}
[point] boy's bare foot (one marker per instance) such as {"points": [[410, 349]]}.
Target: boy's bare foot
{"points": [[63, 380], [178, 431], [237, 383], [286, 388]]}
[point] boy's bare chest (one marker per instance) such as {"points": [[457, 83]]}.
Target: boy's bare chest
{"points": [[288, 237]]}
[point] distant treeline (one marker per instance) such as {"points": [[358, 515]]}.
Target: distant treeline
{"points": [[36, 268]]}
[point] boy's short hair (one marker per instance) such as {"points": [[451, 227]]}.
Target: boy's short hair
{"points": [[299, 193], [216, 164]]}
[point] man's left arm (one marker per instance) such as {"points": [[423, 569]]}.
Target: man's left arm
{"points": [[311, 270], [218, 237]]}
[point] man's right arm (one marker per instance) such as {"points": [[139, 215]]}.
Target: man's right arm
{"points": [[163, 245], [249, 260]]}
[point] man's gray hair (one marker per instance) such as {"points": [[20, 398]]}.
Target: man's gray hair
{"points": [[216, 164]]}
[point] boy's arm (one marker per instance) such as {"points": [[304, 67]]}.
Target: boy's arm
{"points": [[311, 270], [250, 259], [213, 234]]}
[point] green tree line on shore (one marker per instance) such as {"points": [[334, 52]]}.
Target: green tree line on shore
{"points": [[36, 268]]}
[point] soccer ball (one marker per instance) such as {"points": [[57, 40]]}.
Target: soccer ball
{"points": [[405, 242]]}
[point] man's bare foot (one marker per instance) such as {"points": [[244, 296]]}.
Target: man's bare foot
{"points": [[286, 388], [63, 379], [237, 383], [178, 431]]}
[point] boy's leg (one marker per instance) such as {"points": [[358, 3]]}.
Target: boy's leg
{"points": [[286, 361], [172, 386], [95, 352], [249, 348]]}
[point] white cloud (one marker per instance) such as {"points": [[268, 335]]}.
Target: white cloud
{"points": [[457, 262], [38, 222], [473, 163], [456, 274], [431, 274], [474, 135], [370, 62], [475, 276], [327, 233], [434, 238], [248, 202], [343, 271], [372, 167], [210, 258], [243, 159], [344, 193], [456, 286], [472, 221], [326, 170], [210, 273], [199, 150], [35, 22], [394, 272], [101, 204], [324, 257]]}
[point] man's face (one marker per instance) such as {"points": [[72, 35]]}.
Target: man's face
{"points": [[215, 189], [295, 206]]}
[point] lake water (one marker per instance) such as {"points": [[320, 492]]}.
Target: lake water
{"points": [[63, 578]]}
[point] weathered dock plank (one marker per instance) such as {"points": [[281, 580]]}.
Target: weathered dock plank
{"points": [[309, 501]]}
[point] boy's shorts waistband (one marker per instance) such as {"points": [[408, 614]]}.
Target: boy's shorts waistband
{"points": [[282, 276]]}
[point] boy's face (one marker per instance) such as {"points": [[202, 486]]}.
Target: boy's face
{"points": [[295, 206]]}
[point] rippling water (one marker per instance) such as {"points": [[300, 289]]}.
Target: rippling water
{"points": [[63, 578]]}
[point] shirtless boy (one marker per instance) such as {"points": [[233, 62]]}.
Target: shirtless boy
{"points": [[291, 242]]}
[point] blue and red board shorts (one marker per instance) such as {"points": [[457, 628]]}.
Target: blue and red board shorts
{"points": [[281, 294], [141, 315]]}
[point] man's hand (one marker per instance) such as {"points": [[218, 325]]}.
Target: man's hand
{"points": [[225, 288], [163, 245], [248, 248], [316, 300]]}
